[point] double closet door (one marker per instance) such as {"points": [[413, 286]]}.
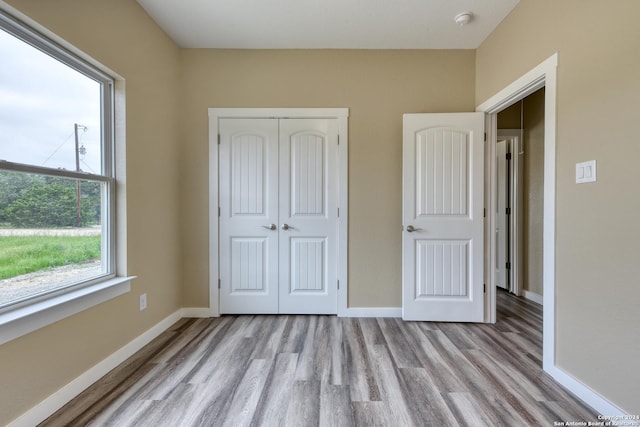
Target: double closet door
{"points": [[278, 215]]}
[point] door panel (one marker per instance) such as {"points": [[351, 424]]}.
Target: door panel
{"points": [[443, 217], [248, 206], [248, 264], [308, 207], [451, 279], [441, 168], [308, 263], [307, 173]]}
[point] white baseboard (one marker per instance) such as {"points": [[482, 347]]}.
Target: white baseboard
{"points": [[197, 312], [57, 400], [584, 392], [373, 312], [533, 297]]}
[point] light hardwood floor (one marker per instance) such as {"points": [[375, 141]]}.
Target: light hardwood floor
{"points": [[329, 371]]}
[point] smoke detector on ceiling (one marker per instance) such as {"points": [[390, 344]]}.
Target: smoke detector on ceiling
{"points": [[463, 18]]}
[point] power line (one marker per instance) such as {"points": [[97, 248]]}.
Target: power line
{"points": [[57, 149], [87, 165]]}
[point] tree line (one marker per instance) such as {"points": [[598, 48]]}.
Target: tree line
{"points": [[38, 201]]}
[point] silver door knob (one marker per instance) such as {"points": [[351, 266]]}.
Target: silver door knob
{"points": [[285, 227], [270, 227], [411, 228]]}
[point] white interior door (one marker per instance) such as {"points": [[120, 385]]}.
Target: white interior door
{"points": [[509, 177], [502, 223], [443, 193], [278, 215], [308, 216], [248, 183]]}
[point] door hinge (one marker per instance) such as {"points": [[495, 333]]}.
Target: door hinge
{"points": [[338, 284], [218, 211], [219, 283], [484, 288], [218, 139], [484, 212], [508, 266], [508, 211], [485, 137], [338, 139], [508, 156], [338, 212]]}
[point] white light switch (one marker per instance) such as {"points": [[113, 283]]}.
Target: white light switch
{"points": [[586, 172]]}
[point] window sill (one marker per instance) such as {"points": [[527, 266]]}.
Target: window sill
{"points": [[26, 319]]}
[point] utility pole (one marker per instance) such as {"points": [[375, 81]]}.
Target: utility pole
{"points": [[78, 205]]}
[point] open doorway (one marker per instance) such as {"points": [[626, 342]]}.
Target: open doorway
{"points": [[544, 75], [519, 201]]}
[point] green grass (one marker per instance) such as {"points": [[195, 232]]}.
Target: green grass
{"points": [[27, 254]]}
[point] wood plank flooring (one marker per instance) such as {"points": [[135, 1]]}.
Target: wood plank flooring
{"points": [[329, 371]]}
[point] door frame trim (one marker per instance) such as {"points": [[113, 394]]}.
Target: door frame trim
{"points": [[543, 75], [342, 115]]}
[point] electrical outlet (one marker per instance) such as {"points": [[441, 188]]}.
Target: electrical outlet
{"points": [[143, 301]]}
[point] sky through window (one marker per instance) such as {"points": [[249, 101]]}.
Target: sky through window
{"points": [[40, 101]]}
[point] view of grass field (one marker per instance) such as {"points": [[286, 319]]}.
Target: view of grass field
{"points": [[26, 254]]}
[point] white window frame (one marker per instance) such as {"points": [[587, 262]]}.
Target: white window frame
{"points": [[30, 314]]}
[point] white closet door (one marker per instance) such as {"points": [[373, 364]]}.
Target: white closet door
{"points": [[308, 216], [502, 195], [278, 216], [248, 180], [442, 252]]}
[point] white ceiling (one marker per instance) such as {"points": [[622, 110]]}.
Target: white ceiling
{"points": [[331, 24]]}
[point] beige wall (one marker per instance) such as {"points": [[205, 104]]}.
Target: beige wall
{"points": [[597, 230], [510, 118], [119, 34], [377, 87]]}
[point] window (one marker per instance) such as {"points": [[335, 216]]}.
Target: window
{"points": [[56, 170]]}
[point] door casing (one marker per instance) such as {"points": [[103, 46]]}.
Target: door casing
{"points": [[543, 75], [215, 114]]}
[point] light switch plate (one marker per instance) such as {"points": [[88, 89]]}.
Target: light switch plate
{"points": [[586, 172]]}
